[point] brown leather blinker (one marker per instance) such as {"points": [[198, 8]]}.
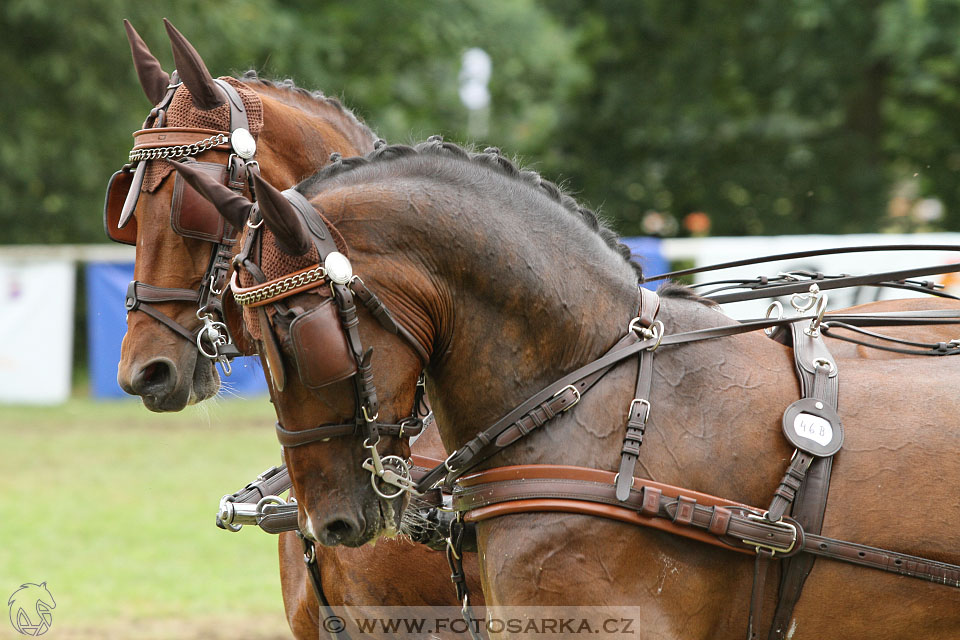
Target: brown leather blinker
{"points": [[192, 215], [117, 190], [320, 347]]}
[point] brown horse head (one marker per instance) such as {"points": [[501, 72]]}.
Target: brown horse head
{"points": [[328, 361], [403, 215], [295, 133]]}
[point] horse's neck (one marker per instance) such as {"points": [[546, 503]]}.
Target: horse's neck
{"points": [[297, 141], [525, 304]]}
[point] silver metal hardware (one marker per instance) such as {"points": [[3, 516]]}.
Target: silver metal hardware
{"points": [[390, 470], [243, 143], [804, 301], [775, 305], [655, 331], [226, 514], [213, 286], [338, 267], [446, 463], [569, 406], [366, 416], [814, 329], [214, 333], [826, 363], [646, 403]]}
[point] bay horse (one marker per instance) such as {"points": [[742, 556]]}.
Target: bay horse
{"points": [[506, 284], [296, 132]]}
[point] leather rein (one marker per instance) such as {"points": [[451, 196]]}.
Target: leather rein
{"points": [[156, 141]]}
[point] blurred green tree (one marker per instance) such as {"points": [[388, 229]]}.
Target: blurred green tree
{"points": [[71, 98], [772, 117]]}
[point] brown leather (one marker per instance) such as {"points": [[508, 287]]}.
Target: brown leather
{"points": [[192, 215], [320, 347], [300, 437], [173, 136], [649, 307], [716, 521], [117, 190], [271, 351], [237, 289], [810, 501]]}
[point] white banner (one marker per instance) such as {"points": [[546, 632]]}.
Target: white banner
{"points": [[36, 330]]}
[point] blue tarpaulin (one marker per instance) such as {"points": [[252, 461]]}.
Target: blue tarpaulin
{"points": [[107, 324], [646, 251]]}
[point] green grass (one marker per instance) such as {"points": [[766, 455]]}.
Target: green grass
{"points": [[114, 506]]}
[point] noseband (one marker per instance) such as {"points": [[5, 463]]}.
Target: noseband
{"points": [[191, 215], [327, 345]]}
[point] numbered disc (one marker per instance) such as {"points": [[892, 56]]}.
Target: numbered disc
{"points": [[811, 426]]}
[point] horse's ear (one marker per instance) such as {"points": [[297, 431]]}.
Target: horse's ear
{"points": [[281, 218], [153, 78], [234, 208], [193, 72]]}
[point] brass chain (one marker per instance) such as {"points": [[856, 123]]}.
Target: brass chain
{"points": [[179, 151], [279, 287]]}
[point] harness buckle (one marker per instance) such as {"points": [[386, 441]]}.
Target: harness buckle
{"points": [[645, 403], [782, 524], [557, 394]]}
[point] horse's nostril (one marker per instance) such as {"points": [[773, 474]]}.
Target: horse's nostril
{"points": [[154, 373], [339, 529], [338, 532], [156, 379]]}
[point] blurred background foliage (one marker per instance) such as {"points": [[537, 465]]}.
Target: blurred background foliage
{"points": [[814, 116]]}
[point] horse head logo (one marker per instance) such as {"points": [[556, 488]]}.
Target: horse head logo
{"points": [[30, 609]]}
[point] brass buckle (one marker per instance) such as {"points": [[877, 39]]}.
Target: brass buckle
{"points": [[572, 404], [785, 526]]}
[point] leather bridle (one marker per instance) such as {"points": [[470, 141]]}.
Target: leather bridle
{"points": [[153, 142], [333, 271]]}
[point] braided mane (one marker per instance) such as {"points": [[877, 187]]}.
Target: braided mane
{"points": [[492, 158], [316, 98]]}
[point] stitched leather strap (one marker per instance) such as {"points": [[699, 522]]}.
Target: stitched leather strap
{"points": [[715, 520]]}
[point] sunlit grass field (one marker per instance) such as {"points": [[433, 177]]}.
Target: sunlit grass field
{"points": [[113, 506]]}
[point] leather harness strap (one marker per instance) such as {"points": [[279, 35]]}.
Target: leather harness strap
{"points": [[819, 379], [291, 438], [717, 521]]}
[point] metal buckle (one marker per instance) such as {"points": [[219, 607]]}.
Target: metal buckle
{"points": [[786, 526], [646, 415], [569, 406], [446, 463]]}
